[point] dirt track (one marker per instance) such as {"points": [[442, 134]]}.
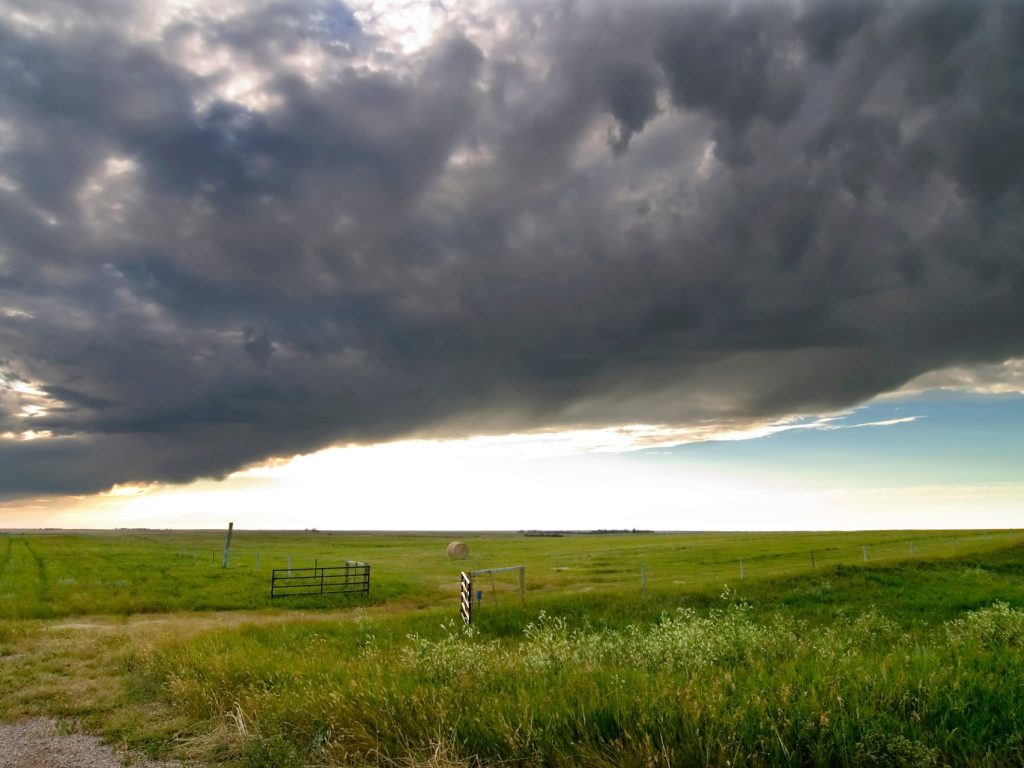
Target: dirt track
{"points": [[38, 743]]}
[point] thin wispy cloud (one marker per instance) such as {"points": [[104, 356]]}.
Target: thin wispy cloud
{"points": [[885, 422]]}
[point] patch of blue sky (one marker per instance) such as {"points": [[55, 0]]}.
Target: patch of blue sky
{"points": [[933, 438], [333, 24]]}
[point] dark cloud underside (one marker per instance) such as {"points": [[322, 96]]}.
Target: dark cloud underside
{"points": [[621, 213]]}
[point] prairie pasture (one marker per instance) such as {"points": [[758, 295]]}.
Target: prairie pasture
{"points": [[53, 574], [859, 648]]}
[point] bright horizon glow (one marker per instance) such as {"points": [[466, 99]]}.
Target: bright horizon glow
{"points": [[636, 476]]}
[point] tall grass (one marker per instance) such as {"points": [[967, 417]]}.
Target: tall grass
{"points": [[728, 685]]}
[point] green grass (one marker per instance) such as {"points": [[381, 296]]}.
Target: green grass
{"points": [[786, 673], [59, 574], [904, 659]]}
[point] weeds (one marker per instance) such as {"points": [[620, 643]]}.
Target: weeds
{"points": [[726, 686]]}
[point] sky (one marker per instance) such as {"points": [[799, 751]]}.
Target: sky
{"points": [[510, 264]]}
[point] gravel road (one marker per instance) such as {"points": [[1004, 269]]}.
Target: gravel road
{"points": [[37, 743]]}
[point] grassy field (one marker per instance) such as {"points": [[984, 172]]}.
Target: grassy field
{"points": [[890, 648], [47, 575]]}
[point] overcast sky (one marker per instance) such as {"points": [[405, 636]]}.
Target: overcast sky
{"points": [[236, 232]]}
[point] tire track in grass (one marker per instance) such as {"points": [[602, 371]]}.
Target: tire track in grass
{"points": [[42, 581], [5, 563], [16, 593], [7, 555]]}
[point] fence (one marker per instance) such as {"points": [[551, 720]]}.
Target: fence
{"points": [[642, 561], [466, 587], [711, 560], [321, 580]]}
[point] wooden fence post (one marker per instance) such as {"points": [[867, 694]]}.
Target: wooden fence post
{"points": [[227, 543]]}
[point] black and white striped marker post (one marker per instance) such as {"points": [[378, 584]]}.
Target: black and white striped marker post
{"points": [[467, 598]]}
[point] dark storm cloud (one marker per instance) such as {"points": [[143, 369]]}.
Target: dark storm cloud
{"points": [[633, 213], [735, 64], [632, 95], [826, 25]]}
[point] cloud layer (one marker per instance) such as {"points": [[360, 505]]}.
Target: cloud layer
{"points": [[241, 232]]}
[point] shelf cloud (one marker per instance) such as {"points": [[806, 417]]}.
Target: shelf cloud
{"points": [[236, 231]]}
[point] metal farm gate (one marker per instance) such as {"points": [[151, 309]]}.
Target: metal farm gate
{"points": [[322, 580]]}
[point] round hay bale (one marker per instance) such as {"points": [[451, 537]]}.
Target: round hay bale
{"points": [[458, 551]]}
